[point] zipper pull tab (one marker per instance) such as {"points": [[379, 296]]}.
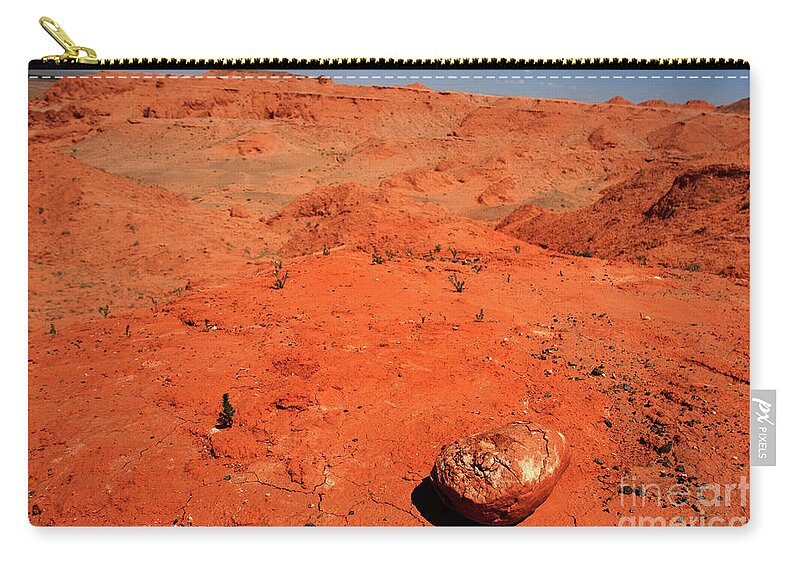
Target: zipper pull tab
{"points": [[72, 52]]}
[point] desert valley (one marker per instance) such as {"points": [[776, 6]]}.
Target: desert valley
{"points": [[371, 273]]}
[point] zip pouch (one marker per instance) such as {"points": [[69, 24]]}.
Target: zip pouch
{"points": [[381, 292]]}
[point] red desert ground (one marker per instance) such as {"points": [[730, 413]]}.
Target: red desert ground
{"points": [[299, 244]]}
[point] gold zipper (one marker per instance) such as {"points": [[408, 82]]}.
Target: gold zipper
{"points": [[75, 56], [72, 52]]}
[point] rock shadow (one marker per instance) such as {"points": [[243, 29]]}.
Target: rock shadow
{"points": [[433, 509]]}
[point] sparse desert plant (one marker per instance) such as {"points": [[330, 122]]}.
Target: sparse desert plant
{"points": [[544, 246], [584, 253], [453, 252], [642, 259], [280, 280], [693, 266], [326, 250], [746, 206], [479, 316], [278, 264], [225, 418], [516, 249], [52, 329], [127, 331], [377, 258], [458, 284], [437, 248], [103, 311], [390, 255]]}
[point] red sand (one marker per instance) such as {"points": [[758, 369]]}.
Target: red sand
{"points": [[168, 201]]}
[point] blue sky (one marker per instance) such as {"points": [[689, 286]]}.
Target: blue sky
{"points": [[718, 87], [674, 86]]}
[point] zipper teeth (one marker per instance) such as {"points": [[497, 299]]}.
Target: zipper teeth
{"points": [[383, 63]]}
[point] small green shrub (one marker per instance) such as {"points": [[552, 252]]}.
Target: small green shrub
{"points": [[103, 311], [225, 418], [280, 280], [377, 258], [693, 266], [458, 285], [479, 316], [326, 250]]}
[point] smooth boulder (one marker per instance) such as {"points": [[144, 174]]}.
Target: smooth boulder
{"points": [[499, 477]]}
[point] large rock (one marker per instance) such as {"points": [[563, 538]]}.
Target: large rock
{"points": [[501, 476]]}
